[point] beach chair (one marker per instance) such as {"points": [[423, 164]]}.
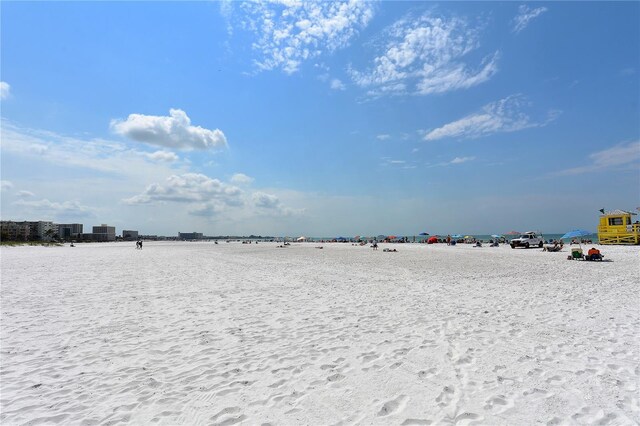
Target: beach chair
{"points": [[576, 253]]}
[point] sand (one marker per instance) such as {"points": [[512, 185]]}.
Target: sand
{"points": [[197, 333]]}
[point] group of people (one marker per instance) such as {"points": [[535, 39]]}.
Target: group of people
{"points": [[555, 246]]}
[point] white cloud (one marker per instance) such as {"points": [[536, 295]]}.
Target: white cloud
{"points": [[50, 208], [167, 156], [424, 55], [208, 197], [460, 160], [620, 155], [241, 179], [206, 209], [271, 203], [189, 188], [336, 84], [5, 89], [453, 162], [5, 185], [383, 137], [174, 131], [505, 115], [525, 16], [108, 157], [290, 32], [25, 194], [267, 201]]}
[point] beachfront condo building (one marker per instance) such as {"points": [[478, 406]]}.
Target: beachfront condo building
{"points": [[104, 233], [28, 231], [129, 235], [68, 231]]}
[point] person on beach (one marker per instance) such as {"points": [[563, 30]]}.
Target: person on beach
{"points": [[448, 240], [594, 254], [375, 245]]}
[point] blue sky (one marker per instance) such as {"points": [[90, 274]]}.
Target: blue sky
{"points": [[293, 118]]}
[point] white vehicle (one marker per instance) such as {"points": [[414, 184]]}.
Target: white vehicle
{"points": [[528, 239]]}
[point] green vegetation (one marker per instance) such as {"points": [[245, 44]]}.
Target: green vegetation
{"points": [[30, 243]]}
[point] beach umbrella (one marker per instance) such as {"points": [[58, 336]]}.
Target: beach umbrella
{"points": [[391, 237], [456, 236], [496, 236], [432, 240], [512, 233], [576, 233], [423, 233]]}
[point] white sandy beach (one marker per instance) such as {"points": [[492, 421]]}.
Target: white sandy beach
{"points": [[197, 333]]}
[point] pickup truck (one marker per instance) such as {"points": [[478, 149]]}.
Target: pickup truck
{"points": [[528, 239]]}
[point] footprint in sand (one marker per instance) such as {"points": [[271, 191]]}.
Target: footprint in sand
{"points": [[445, 396], [416, 422], [393, 406], [423, 374], [498, 404], [555, 380], [277, 384], [467, 419], [223, 412], [335, 377]]}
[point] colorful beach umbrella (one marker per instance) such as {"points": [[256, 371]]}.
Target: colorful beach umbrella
{"points": [[576, 233], [496, 236], [423, 233], [456, 236]]}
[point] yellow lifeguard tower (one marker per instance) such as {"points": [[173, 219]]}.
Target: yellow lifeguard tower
{"points": [[616, 227]]}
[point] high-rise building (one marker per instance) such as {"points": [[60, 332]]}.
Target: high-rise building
{"points": [[129, 235], [24, 231], [104, 233], [15, 231], [69, 230]]}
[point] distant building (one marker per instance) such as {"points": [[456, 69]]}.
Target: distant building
{"points": [[103, 233], [14, 231], [28, 231], [42, 230], [68, 231], [190, 235], [129, 235]]}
